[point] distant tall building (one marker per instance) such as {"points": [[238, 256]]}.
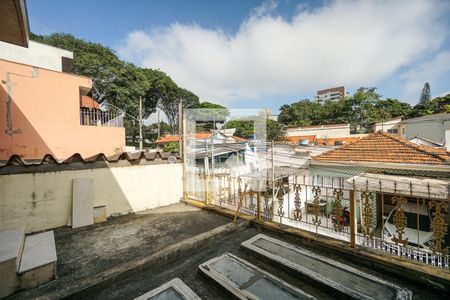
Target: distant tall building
{"points": [[334, 94]]}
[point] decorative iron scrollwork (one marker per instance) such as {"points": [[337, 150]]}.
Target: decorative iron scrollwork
{"points": [[267, 208], [297, 212], [337, 209], [229, 190], [400, 220], [239, 180], [251, 205], [367, 213], [280, 197], [316, 206], [438, 225]]}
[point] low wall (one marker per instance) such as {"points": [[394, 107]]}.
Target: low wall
{"points": [[43, 200]]}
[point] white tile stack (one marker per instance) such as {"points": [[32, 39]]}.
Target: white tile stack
{"points": [[25, 262]]}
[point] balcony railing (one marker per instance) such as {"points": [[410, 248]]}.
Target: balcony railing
{"points": [[410, 222], [92, 117]]}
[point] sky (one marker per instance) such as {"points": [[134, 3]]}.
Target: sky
{"points": [[263, 54]]}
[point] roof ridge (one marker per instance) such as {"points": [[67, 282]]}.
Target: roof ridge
{"points": [[422, 148]]}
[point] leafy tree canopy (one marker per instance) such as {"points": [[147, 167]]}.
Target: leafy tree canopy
{"points": [[275, 131], [122, 83], [361, 109]]}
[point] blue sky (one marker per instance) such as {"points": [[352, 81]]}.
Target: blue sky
{"points": [[268, 53]]}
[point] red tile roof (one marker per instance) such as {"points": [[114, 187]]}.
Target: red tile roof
{"points": [[169, 138], [384, 147], [319, 126], [331, 141], [88, 102], [298, 138]]}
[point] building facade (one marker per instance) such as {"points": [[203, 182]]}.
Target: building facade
{"points": [[332, 94], [389, 126], [433, 128], [42, 110]]}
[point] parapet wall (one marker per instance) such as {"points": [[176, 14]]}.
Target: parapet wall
{"points": [[39, 196]]}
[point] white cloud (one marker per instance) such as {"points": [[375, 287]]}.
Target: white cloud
{"points": [[343, 42], [428, 71]]}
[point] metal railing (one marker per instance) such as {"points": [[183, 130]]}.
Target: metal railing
{"points": [[93, 117], [410, 222]]}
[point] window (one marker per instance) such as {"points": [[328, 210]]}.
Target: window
{"points": [[393, 130]]}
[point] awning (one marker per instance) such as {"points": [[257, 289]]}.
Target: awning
{"points": [[414, 186]]}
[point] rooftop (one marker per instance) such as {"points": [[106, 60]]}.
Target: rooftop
{"points": [[320, 126], [138, 253], [383, 147]]}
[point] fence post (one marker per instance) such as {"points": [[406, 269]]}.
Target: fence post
{"points": [[206, 189], [352, 218], [258, 205]]}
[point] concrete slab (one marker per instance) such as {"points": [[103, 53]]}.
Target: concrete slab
{"points": [[82, 202], [174, 290], [39, 250], [11, 243], [246, 281], [330, 273], [11, 246]]}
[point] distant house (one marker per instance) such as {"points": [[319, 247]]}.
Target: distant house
{"points": [[216, 136], [382, 153], [323, 135], [389, 126], [434, 128]]}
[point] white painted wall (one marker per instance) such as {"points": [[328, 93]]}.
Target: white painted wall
{"points": [[44, 200], [320, 132], [37, 55], [433, 130], [387, 125]]}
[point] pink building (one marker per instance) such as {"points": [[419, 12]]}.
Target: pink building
{"points": [[44, 111]]}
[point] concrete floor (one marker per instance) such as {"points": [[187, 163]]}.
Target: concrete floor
{"points": [[186, 268], [85, 252]]}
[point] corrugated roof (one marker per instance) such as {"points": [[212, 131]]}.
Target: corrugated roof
{"points": [[384, 147], [48, 159]]}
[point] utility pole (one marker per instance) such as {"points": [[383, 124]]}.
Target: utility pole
{"points": [[140, 124], [273, 182], [212, 145], [184, 157]]}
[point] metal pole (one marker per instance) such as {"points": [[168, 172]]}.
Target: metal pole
{"points": [[273, 181], [352, 219], [185, 172], [140, 124]]}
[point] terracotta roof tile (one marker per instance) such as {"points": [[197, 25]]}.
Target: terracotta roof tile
{"points": [[298, 138], [169, 138], [384, 147], [88, 102]]}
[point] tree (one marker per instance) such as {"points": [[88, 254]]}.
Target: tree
{"points": [[244, 128], [168, 95], [207, 114], [425, 95], [436, 105], [275, 131], [120, 83], [364, 107]]}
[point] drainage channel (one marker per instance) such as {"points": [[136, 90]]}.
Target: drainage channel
{"points": [[327, 272]]}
